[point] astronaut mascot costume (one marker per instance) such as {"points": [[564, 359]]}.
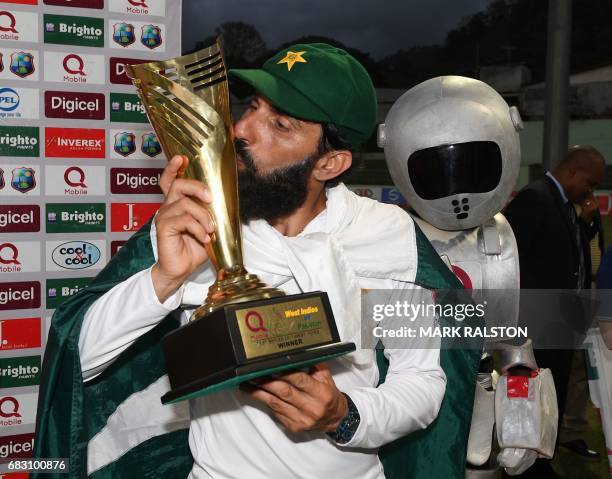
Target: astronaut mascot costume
{"points": [[452, 146]]}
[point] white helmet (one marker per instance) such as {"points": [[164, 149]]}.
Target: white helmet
{"points": [[453, 150]]}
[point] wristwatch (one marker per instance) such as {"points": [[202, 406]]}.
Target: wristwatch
{"points": [[348, 426]]}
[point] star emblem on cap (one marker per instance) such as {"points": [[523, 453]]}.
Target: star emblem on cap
{"points": [[291, 58]]}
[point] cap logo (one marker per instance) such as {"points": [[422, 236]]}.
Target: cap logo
{"points": [[292, 58]]}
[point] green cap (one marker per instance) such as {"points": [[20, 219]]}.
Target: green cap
{"points": [[318, 82]]}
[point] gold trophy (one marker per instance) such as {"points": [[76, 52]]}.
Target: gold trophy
{"points": [[244, 329]]}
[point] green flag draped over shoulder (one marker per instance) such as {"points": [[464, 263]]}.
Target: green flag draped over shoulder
{"points": [[71, 413]]}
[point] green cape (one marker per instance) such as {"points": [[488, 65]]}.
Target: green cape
{"points": [[71, 412]]}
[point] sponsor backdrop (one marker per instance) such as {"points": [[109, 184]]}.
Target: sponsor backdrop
{"points": [[79, 168]]}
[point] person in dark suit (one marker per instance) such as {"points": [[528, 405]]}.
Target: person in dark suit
{"points": [[553, 244]]}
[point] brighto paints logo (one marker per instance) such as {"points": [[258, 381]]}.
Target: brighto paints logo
{"points": [[19, 141]]}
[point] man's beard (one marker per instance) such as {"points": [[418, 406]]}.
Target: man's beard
{"points": [[273, 195]]}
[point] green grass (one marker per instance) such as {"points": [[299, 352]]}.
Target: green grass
{"points": [[572, 466]]}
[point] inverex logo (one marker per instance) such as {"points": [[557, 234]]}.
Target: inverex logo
{"points": [[135, 180], [78, 105], [117, 69], [18, 26], [19, 218], [22, 295], [70, 67], [75, 142], [78, 254]]}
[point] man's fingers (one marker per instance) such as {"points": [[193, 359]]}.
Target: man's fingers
{"points": [[284, 391], [182, 224], [170, 173], [182, 188], [186, 207]]}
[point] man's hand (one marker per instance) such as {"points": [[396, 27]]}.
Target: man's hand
{"points": [[183, 228], [302, 401], [589, 206]]}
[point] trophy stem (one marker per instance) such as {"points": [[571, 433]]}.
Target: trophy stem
{"points": [[237, 287]]}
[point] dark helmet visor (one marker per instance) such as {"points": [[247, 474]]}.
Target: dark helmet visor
{"points": [[446, 170]]}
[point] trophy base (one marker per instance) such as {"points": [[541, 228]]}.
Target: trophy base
{"points": [[237, 288], [231, 378], [244, 340]]}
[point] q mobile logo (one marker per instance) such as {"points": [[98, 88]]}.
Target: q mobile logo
{"points": [[23, 295], [99, 4], [136, 181], [19, 257], [19, 372], [59, 290], [18, 410], [69, 67], [18, 26], [138, 36], [131, 216], [20, 64], [75, 180], [19, 103], [21, 333], [76, 217], [76, 255], [19, 218], [19, 180], [75, 105], [19, 141], [138, 7], [75, 143], [117, 69], [69, 30], [19, 446]]}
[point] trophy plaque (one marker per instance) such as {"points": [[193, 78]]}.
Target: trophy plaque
{"points": [[244, 329]]}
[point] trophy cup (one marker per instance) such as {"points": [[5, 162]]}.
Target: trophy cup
{"points": [[244, 329]]}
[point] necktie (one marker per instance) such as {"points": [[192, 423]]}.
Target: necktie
{"points": [[576, 226]]}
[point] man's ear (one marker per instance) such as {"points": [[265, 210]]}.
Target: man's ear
{"points": [[332, 164]]}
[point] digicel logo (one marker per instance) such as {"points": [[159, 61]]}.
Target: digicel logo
{"points": [[23, 333], [76, 3], [135, 180], [19, 218], [117, 69], [24, 295], [18, 446], [78, 105], [131, 216], [75, 142]]}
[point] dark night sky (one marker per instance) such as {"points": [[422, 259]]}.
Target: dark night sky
{"points": [[378, 27]]}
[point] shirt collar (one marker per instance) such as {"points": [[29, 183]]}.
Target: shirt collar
{"points": [[558, 185]]}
